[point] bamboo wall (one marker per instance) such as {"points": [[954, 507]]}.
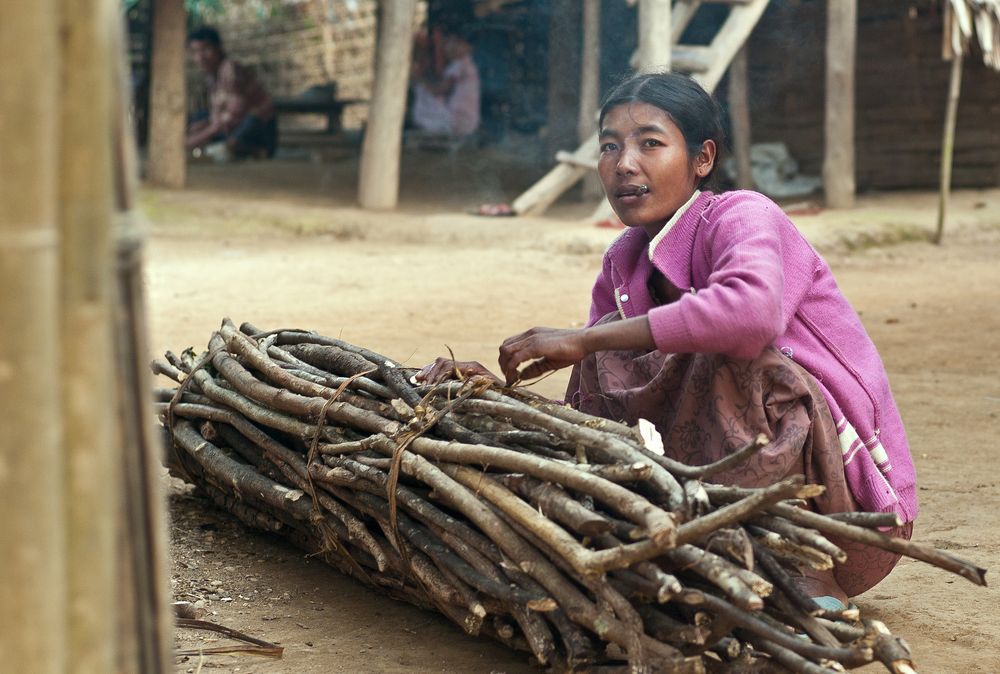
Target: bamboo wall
{"points": [[902, 84]]}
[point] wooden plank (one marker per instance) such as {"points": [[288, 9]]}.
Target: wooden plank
{"points": [[838, 162], [730, 38], [378, 185], [537, 198], [689, 58], [739, 115]]}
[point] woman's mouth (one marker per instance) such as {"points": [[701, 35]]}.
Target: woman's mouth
{"points": [[630, 194]]}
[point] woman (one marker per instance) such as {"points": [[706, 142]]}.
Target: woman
{"points": [[715, 319]]}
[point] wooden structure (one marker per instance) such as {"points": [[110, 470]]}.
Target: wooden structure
{"points": [[82, 578], [378, 185], [707, 65], [838, 121], [963, 18], [167, 120]]}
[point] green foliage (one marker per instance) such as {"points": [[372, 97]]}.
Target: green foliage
{"points": [[198, 10]]}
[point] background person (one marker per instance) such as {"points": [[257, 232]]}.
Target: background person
{"points": [[240, 112], [449, 104]]}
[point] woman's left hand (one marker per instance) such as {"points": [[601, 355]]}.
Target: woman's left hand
{"points": [[544, 349]]}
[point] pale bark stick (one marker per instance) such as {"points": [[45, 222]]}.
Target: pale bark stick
{"points": [[32, 566], [948, 143], [378, 185]]}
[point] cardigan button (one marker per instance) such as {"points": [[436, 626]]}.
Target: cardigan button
{"points": [[624, 298]]}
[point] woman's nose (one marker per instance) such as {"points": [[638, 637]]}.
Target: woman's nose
{"points": [[627, 161]]}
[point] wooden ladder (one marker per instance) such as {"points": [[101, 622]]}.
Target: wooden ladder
{"points": [[706, 64]]}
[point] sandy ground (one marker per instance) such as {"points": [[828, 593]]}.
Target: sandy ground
{"points": [[409, 283]]}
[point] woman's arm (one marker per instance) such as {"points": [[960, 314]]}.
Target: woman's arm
{"points": [[548, 349]]}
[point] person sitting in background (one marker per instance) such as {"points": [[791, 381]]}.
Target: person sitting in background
{"points": [[241, 114], [449, 104]]}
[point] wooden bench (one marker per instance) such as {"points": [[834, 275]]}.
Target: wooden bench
{"points": [[333, 109]]}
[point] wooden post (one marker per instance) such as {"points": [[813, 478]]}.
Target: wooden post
{"points": [[654, 35], [948, 142], [167, 113], [564, 72], [590, 84], [32, 525], [89, 440], [739, 116], [838, 161], [378, 186]]}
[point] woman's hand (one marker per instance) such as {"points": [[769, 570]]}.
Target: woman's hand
{"points": [[544, 349], [444, 369]]}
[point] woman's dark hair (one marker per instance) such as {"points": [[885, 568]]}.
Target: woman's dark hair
{"points": [[205, 34], [691, 108]]}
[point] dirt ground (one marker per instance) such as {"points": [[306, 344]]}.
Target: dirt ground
{"points": [[409, 283]]}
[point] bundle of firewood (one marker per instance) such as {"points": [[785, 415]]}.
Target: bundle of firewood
{"points": [[553, 531]]}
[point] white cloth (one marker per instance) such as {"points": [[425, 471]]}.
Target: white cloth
{"points": [[458, 115]]}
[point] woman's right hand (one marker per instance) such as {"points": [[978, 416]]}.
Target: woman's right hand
{"points": [[444, 369]]}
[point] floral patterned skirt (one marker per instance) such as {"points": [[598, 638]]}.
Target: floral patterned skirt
{"points": [[708, 405]]}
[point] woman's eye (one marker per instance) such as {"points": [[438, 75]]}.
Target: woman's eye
{"points": [[608, 147], [651, 142]]}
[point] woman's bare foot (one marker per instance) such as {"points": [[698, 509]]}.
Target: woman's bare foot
{"points": [[816, 583]]}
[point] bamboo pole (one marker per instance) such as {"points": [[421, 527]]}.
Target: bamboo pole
{"points": [[167, 157], [378, 185], [948, 143], [838, 160], [32, 566], [145, 619], [654, 35], [89, 440]]}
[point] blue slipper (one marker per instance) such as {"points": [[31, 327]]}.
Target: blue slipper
{"points": [[828, 603]]}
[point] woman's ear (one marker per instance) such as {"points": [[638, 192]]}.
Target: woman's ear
{"points": [[705, 159]]}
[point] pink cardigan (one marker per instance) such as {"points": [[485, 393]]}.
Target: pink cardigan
{"points": [[754, 282]]}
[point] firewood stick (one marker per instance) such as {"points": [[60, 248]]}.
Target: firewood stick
{"points": [[803, 555], [241, 345], [286, 401], [783, 580], [602, 444], [921, 551], [658, 524], [801, 535], [719, 572], [538, 634], [294, 468], [554, 503], [850, 656], [790, 660], [890, 650], [583, 560], [671, 631], [740, 510], [868, 520]]}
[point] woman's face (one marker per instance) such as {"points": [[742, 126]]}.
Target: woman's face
{"points": [[641, 145]]}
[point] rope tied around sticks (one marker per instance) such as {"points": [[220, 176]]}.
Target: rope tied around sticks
{"points": [[329, 538], [470, 387]]}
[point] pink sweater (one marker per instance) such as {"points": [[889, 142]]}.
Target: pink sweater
{"points": [[754, 282]]}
